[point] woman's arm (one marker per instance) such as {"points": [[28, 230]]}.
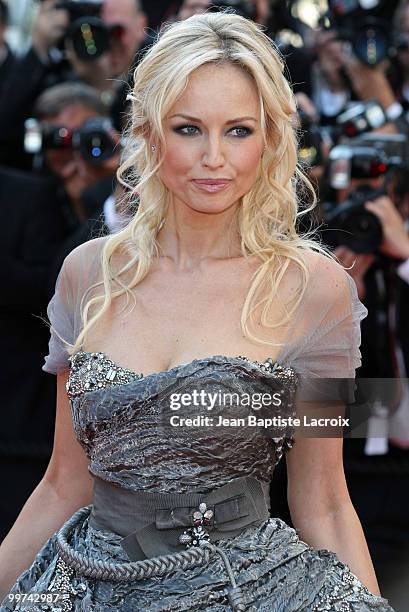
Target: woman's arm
{"points": [[65, 487], [321, 508]]}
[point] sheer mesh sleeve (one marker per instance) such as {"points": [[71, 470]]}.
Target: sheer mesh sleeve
{"points": [[79, 271], [324, 337], [323, 345]]}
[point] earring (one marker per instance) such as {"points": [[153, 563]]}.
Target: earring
{"points": [[153, 147]]}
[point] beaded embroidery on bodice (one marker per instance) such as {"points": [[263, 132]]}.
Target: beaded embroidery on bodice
{"points": [[95, 370], [121, 418], [91, 371]]}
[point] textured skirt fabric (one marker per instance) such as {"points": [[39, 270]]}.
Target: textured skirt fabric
{"points": [[275, 570]]}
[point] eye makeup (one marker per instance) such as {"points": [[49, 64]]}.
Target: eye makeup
{"points": [[179, 130]]}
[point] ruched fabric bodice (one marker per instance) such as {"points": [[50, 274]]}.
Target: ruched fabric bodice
{"points": [[123, 421]]}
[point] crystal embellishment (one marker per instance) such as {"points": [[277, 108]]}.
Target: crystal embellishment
{"points": [[273, 367], [62, 583], [196, 535], [91, 371], [349, 586]]}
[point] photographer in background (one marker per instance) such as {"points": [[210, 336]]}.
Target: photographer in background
{"points": [[395, 244], [47, 214], [38, 69], [130, 22], [377, 468], [79, 147], [93, 42], [354, 49], [361, 163], [331, 90], [366, 225], [122, 31]]}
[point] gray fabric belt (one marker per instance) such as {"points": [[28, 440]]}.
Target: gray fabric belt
{"points": [[151, 523]]}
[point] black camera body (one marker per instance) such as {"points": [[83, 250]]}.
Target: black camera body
{"points": [[93, 139], [368, 157], [81, 8], [350, 224], [88, 34], [366, 25], [360, 118]]}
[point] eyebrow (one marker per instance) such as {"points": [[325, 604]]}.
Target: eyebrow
{"points": [[196, 120]]}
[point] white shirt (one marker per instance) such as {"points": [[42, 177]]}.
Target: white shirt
{"points": [[113, 220]]}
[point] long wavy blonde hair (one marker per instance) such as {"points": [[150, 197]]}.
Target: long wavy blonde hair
{"points": [[266, 216]]}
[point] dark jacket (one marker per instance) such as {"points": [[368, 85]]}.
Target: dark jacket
{"points": [[37, 235], [26, 79], [30, 235]]}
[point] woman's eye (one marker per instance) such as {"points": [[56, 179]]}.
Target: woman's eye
{"points": [[191, 130], [242, 131], [188, 130]]}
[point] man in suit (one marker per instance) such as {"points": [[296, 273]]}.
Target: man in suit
{"points": [[45, 216], [30, 235]]}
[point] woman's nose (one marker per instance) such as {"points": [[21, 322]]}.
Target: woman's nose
{"points": [[213, 155]]}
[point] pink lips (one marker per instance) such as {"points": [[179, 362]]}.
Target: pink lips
{"points": [[211, 185]]}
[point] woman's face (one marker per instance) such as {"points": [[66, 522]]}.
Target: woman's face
{"points": [[213, 140]]}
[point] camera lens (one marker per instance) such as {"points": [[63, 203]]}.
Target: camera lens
{"points": [[371, 45], [90, 37], [95, 142]]}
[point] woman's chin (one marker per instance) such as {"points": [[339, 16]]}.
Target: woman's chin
{"points": [[211, 209]]}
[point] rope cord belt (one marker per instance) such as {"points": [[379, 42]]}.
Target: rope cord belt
{"points": [[155, 525], [139, 570], [122, 572]]}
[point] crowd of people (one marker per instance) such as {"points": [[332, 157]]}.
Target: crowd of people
{"points": [[63, 121]]}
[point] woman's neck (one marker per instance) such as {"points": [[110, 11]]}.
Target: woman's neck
{"points": [[188, 237]]}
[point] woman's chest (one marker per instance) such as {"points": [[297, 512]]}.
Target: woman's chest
{"points": [[170, 319]]}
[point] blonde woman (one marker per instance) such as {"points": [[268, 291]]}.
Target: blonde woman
{"points": [[207, 292]]}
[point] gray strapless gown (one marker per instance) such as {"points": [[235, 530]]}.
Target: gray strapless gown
{"points": [[122, 421]]}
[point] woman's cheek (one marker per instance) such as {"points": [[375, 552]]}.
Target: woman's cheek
{"points": [[249, 163], [178, 159], [174, 172]]}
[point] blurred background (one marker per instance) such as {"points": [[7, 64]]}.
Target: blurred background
{"points": [[65, 71]]}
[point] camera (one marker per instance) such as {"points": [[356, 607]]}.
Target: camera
{"points": [[368, 157], [93, 140], [361, 117], [365, 24], [88, 34], [245, 8]]}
